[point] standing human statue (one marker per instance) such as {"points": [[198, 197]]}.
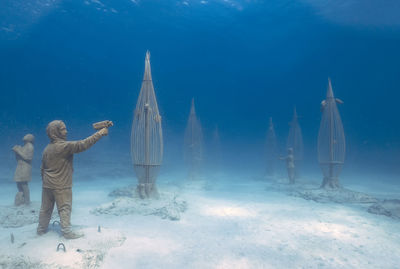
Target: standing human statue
{"points": [[23, 173], [57, 172], [291, 169]]}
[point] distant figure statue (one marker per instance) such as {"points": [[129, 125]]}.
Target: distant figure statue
{"points": [[57, 172], [290, 165], [23, 173]]}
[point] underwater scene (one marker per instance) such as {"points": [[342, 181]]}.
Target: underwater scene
{"points": [[199, 134]]}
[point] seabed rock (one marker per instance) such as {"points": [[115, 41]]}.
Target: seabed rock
{"points": [[340, 195], [17, 216], [167, 206], [129, 191], [390, 208]]}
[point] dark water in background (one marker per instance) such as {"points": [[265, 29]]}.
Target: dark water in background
{"points": [[243, 61]]}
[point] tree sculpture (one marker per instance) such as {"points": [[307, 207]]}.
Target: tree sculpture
{"points": [[295, 141], [193, 143], [216, 150], [271, 150], [146, 137], [331, 141]]}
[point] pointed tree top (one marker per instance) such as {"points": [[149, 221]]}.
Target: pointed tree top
{"points": [[192, 108], [147, 69], [329, 92], [271, 125], [295, 113]]}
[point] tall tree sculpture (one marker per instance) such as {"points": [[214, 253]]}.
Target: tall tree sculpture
{"points": [[295, 141], [271, 150], [193, 143], [216, 150], [331, 141], [146, 137]]}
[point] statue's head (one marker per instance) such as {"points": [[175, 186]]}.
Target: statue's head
{"points": [[56, 130], [290, 150], [29, 138]]}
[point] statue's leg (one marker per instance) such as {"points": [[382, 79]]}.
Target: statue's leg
{"points": [[64, 205], [291, 174], [25, 190], [19, 187], [46, 210]]}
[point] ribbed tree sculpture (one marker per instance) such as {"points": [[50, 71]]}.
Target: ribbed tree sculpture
{"points": [[331, 141], [216, 149], [193, 143], [271, 150], [146, 137], [295, 141]]}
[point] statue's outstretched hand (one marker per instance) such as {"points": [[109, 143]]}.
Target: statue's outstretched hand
{"points": [[103, 131]]}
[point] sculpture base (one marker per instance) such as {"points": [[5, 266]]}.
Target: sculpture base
{"points": [[147, 190], [330, 183]]}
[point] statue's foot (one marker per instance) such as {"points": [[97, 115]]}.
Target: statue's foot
{"points": [[73, 235]]}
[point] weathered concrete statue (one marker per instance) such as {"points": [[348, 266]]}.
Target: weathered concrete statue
{"points": [[23, 173], [57, 174], [291, 169]]}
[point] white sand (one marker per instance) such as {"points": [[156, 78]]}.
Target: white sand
{"points": [[231, 223]]}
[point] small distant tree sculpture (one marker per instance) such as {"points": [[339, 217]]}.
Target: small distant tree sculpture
{"points": [[216, 149], [193, 143], [146, 137], [331, 141], [271, 150], [295, 141]]}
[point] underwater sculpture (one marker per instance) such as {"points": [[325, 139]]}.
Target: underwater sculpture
{"points": [[23, 172], [290, 165], [295, 141], [216, 149], [193, 143], [271, 149], [57, 175], [146, 137], [331, 141]]}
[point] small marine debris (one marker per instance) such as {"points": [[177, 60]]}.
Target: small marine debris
{"points": [[99, 229], [56, 222], [23, 244], [61, 245], [12, 238]]}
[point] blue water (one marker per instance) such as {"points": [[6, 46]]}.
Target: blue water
{"points": [[242, 61]]}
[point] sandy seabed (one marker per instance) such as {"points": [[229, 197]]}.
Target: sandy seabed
{"points": [[223, 222]]}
